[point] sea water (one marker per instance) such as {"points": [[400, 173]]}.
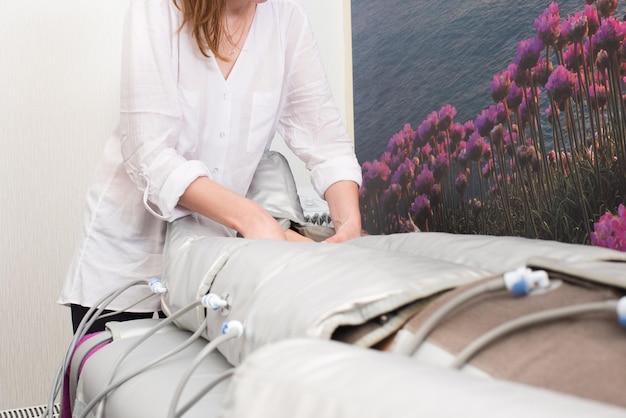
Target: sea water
{"points": [[411, 57]]}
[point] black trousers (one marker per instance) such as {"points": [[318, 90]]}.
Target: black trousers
{"points": [[79, 312]]}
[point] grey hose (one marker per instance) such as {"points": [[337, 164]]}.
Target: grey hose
{"points": [[527, 320]]}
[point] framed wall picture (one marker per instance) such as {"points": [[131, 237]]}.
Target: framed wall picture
{"points": [[491, 117]]}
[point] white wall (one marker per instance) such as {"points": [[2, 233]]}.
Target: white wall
{"points": [[59, 76]]}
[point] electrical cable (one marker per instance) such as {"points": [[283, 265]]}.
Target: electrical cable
{"points": [[206, 389], [90, 317], [230, 330], [113, 386], [110, 314], [208, 301], [140, 341], [420, 335], [520, 282], [524, 321]]}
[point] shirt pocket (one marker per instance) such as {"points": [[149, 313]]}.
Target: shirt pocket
{"points": [[263, 116]]}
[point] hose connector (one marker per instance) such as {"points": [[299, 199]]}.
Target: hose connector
{"points": [[521, 281], [621, 311], [214, 302], [157, 286], [233, 327]]}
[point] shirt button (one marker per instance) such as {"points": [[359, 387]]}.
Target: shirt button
{"points": [[222, 134], [225, 96], [216, 170]]}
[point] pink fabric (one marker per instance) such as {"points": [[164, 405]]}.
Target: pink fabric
{"points": [[66, 410]]}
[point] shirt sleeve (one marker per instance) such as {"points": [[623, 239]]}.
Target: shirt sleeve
{"points": [[150, 114], [310, 121]]}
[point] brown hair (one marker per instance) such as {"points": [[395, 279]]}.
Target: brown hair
{"points": [[204, 17]]}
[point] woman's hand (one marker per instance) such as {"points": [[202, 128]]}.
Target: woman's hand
{"points": [[343, 202], [260, 225], [345, 232]]}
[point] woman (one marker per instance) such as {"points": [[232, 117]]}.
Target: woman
{"points": [[205, 86]]}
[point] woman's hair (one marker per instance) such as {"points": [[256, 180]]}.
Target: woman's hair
{"points": [[204, 18]]}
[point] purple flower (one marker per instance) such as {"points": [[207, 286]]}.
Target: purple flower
{"points": [[575, 28], [396, 142], [428, 128], [561, 83], [514, 97], [525, 154], [487, 151], [420, 209], [401, 141], [523, 112], [391, 197], [593, 21], [461, 155], [424, 181], [610, 35], [469, 128], [441, 137], [547, 25], [404, 173], [541, 72], [528, 51], [475, 145], [602, 60], [375, 175], [501, 113], [500, 86], [386, 158], [457, 132], [446, 114], [573, 57], [460, 184], [519, 75], [436, 196], [510, 140], [426, 151], [606, 7], [496, 135], [486, 120], [440, 167], [550, 115], [610, 230], [488, 169]]}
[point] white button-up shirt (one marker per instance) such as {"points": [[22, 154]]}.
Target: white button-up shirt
{"points": [[180, 119]]}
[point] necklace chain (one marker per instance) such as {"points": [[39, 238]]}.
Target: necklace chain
{"points": [[234, 46]]}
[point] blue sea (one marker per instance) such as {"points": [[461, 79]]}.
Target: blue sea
{"points": [[411, 57]]}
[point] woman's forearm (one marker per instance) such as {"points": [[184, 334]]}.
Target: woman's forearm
{"points": [[343, 203], [226, 207]]}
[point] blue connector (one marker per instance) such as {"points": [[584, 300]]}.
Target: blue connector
{"points": [[232, 327], [621, 311], [523, 280]]}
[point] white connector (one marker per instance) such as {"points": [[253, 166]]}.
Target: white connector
{"points": [[523, 280], [157, 286], [214, 302], [233, 327]]}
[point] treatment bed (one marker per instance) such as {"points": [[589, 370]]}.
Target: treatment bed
{"points": [[327, 331]]}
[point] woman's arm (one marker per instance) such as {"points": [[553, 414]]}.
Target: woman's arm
{"points": [[343, 202], [222, 205]]}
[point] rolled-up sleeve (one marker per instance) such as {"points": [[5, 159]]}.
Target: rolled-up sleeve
{"points": [[150, 114], [310, 121]]}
